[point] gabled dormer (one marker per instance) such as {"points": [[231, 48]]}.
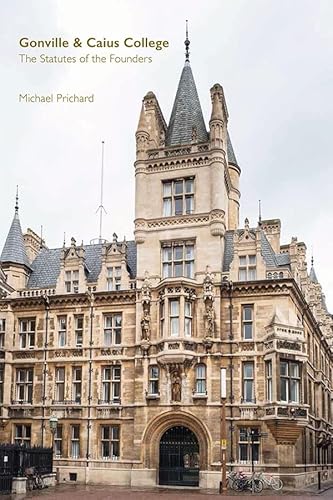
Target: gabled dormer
{"points": [[248, 263], [73, 270], [114, 274]]}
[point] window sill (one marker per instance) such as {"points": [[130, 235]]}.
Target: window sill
{"points": [[152, 396], [197, 395]]}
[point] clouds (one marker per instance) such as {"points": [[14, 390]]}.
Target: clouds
{"points": [[273, 60]]}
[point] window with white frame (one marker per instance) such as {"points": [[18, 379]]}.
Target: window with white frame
{"points": [[178, 260], [174, 317], [58, 441], [248, 382], [27, 333], [78, 331], [112, 329], [75, 441], [110, 442], [247, 322], [290, 381], [249, 445], [22, 434], [200, 379], [72, 281], [1, 383], [247, 268], [62, 330], [188, 318], [111, 384], [24, 384], [269, 380], [178, 197], [113, 279], [60, 383], [77, 384], [154, 374], [2, 332]]}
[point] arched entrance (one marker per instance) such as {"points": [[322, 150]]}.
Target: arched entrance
{"points": [[179, 457]]}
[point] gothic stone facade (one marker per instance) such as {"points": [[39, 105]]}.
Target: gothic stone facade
{"points": [[124, 342]]}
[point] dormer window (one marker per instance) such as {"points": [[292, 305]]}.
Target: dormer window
{"points": [[113, 278], [247, 268], [72, 281]]}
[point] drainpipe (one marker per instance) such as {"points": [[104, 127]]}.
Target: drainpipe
{"points": [[91, 299], [231, 366], [47, 309]]}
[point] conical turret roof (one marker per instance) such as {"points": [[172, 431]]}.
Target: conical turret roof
{"points": [[186, 118], [14, 249]]}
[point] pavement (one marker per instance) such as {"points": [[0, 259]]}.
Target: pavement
{"points": [[92, 492]]}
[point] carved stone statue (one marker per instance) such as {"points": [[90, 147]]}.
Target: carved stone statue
{"points": [[145, 326], [176, 389], [146, 291], [210, 320]]}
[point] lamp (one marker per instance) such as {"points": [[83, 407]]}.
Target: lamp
{"points": [[53, 421]]}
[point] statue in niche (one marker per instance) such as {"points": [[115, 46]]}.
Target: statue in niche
{"points": [[176, 389], [145, 325], [210, 320]]}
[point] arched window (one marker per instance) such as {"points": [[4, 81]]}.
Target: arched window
{"points": [[200, 379]]}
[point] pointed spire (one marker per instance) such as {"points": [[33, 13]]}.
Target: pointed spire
{"points": [[16, 203], [14, 251], [186, 121], [142, 125], [312, 275], [187, 45]]}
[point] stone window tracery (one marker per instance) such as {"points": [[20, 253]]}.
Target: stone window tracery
{"points": [[110, 442], [178, 197], [178, 260], [72, 281], [247, 268]]}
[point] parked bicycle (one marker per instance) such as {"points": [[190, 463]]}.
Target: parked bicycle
{"points": [[271, 481], [238, 481], [34, 479]]}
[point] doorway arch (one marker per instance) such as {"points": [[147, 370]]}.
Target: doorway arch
{"points": [[179, 457]]}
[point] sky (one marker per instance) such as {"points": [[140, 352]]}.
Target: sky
{"points": [[273, 59]]}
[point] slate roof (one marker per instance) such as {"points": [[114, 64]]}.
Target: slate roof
{"points": [[46, 266], [271, 259], [186, 112], [14, 248], [313, 276], [230, 151]]}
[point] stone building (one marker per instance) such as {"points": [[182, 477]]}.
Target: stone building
{"points": [[124, 341]]}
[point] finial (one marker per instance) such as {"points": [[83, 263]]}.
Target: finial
{"points": [[187, 45], [41, 238], [259, 212], [64, 242], [312, 257], [16, 203]]}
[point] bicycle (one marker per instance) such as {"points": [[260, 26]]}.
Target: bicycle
{"points": [[240, 482], [34, 479], [273, 482]]}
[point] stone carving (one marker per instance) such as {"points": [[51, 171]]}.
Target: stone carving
{"points": [[176, 386], [208, 297], [145, 301], [145, 325], [210, 320], [208, 286]]}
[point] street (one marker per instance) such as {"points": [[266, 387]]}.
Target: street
{"points": [[72, 492]]}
